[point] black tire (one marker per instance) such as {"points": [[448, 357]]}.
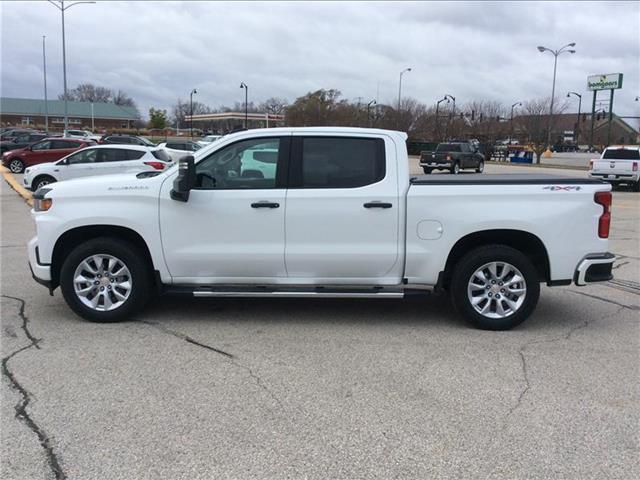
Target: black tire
{"points": [[41, 181], [134, 260], [16, 165], [474, 260], [480, 167], [427, 170], [455, 170], [636, 186]]}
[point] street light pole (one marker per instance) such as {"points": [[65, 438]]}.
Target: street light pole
{"points": [[191, 110], [246, 102], [44, 68], [62, 9], [555, 54], [372, 102], [400, 86], [438, 117], [575, 137], [517, 104], [453, 112]]}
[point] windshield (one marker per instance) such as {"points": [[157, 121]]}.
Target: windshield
{"points": [[147, 142]]}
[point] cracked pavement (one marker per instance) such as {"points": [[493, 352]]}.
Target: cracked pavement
{"points": [[316, 389]]}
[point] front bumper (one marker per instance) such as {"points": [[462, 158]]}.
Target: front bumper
{"points": [[41, 272], [594, 268]]}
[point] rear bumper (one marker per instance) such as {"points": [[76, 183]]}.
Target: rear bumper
{"points": [[434, 164], [594, 268], [616, 177]]}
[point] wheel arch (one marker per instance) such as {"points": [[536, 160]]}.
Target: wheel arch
{"points": [[526, 242], [38, 177], [75, 236]]}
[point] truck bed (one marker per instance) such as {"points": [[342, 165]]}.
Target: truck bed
{"points": [[502, 179]]}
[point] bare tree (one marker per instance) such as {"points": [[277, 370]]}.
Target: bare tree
{"points": [[181, 109], [534, 123], [273, 105], [87, 92]]}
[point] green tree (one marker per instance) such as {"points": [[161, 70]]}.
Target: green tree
{"points": [[157, 118]]}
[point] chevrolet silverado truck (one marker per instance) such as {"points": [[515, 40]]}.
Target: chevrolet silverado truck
{"points": [[339, 216], [452, 156], [618, 165]]}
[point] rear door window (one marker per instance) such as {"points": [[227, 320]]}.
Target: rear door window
{"points": [[84, 156], [112, 155], [63, 144], [339, 162]]}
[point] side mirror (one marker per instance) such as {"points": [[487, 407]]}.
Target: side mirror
{"points": [[185, 180]]}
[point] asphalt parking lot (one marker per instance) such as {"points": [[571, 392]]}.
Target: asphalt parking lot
{"points": [[317, 389]]}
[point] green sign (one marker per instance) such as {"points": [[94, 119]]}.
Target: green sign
{"points": [[608, 81]]}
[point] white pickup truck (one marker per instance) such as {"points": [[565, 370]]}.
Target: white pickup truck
{"points": [[618, 165], [338, 216]]}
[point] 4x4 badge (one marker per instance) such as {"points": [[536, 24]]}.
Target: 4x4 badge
{"points": [[557, 188]]}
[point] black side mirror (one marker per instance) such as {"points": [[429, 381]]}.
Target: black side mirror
{"points": [[185, 180]]}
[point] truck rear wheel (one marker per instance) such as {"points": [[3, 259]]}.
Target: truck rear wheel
{"points": [[427, 170], [456, 168], [105, 280], [495, 287]]}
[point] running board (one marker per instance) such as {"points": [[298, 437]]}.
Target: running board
{"points": [[283, 292], [297, 294]]}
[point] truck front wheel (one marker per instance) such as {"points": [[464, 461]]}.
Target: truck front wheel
{"points": [[495, 287], [105, 280]]}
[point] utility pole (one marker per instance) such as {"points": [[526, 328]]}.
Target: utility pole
{"points": [[246, 102], [575, 136], [44, 68], [517, 104]]}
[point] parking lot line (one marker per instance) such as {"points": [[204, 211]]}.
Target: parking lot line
{"points": [[13, 183]]}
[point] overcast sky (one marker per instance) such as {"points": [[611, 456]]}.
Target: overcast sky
{"points": [[158, 51]]}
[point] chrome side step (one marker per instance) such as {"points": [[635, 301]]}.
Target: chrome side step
{"points": [[297, 294]]}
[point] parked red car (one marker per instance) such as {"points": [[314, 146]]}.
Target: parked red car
{"points": [[47, 150]]}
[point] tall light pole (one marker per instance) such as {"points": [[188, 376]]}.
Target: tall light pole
{"points": [[575, 137], [555, 53], [453, 112], [246, 102], [44, 68], [438, 117], [517, 104], [400, 86], [62, 9], [194, 91]]}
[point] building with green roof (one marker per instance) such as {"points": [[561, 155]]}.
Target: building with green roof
{"points": [[30, 112]]}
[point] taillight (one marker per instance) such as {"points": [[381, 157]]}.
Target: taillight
{"points": [[591, 162], [604, 199], [634, 167], [156, 165]]}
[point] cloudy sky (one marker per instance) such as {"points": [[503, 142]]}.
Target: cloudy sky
{"points": [[158, 51]]}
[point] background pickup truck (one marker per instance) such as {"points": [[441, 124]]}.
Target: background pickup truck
{"points": [[618, 165], [452, 156], [337, 216]]}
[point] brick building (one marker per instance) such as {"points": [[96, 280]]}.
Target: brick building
{"points": [[28, 112]]}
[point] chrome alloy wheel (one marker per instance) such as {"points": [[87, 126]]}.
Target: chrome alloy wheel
{"points": [[497, 290], [102, 282], [16, 166]]}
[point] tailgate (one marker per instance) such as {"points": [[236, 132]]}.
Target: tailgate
{"points": [[613, 167]]}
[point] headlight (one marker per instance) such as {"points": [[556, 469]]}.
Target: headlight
{"points": [[41, 204]]}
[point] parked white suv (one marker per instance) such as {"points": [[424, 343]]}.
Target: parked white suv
{"points": [[98, 160], [82, 135], [179, 148], [338, 216], [618, 164]]}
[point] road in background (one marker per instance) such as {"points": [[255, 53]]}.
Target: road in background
{"points": [[317, 389]]}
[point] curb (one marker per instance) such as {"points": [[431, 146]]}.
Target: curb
{"points": [[13, 183], [538, 165]]}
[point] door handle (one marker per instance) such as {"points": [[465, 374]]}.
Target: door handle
{"points": [[265, 205], [377, 205]]}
